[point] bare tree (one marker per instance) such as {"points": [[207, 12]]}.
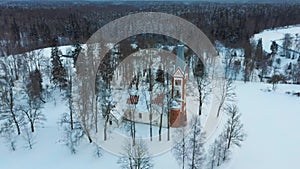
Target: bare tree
{"points": [[149, 108], [132, 111], [275, 79], [8, 110], [226, 93], [68, 91], [203, 89], [234, 130], [180, 146], [232, 135], [29, 138], [195, 146], [106, 110], [32, 109], [9, 135], [72, 138], [33, 114], [135, 156], [212, 156], [201, 77], [85, 98], [97, 150], [216, 153]]}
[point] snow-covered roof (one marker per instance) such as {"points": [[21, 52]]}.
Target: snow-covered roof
{"points": [[133, 92], [116, 114], [175, 105], [180, 63], [178, 99]]}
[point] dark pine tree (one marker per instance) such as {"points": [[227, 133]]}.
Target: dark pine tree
{"points": [[160, 75], [58, 71], [34, 86]]}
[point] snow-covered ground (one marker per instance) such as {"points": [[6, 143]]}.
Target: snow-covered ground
{"points": [[277, 35], [271, 121]]}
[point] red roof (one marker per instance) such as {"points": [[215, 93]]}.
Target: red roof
{"points": [[159, 99]]}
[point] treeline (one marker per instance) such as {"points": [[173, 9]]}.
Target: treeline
{"points": [[26, 27]]}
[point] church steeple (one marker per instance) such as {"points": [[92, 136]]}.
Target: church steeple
{"points": [[179, 79], [180, 63]]}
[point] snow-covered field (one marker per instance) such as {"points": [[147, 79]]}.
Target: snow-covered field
{"points": [[277, 35], [271, 121]]}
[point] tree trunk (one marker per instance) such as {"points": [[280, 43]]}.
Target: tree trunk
{"points": [[168, 125], [160, 126], [219, 155], [229, 142], [219, 109], [132, 126], [151, 134], [213, 158], [89, 137], [32, 126], [201, 88], [31, 121], [71, 115], [70, 105], [134, 131], [96, 115], [200, 102], [168, 113], [150, 125], [11, 105], [194, 147], [105, 128], [183, 152], [130, 163]]}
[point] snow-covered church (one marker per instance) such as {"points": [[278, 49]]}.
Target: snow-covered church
{"points": [[138, 111]]}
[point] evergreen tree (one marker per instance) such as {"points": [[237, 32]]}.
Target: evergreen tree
{"points": [[160, 75], [274, 47], [34, 86], [248, 63], [286, 44], [76, 52], [58, 71], [259, 58]]}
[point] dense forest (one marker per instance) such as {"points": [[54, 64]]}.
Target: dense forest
{"points": [[37, 85], [27, 26]]}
